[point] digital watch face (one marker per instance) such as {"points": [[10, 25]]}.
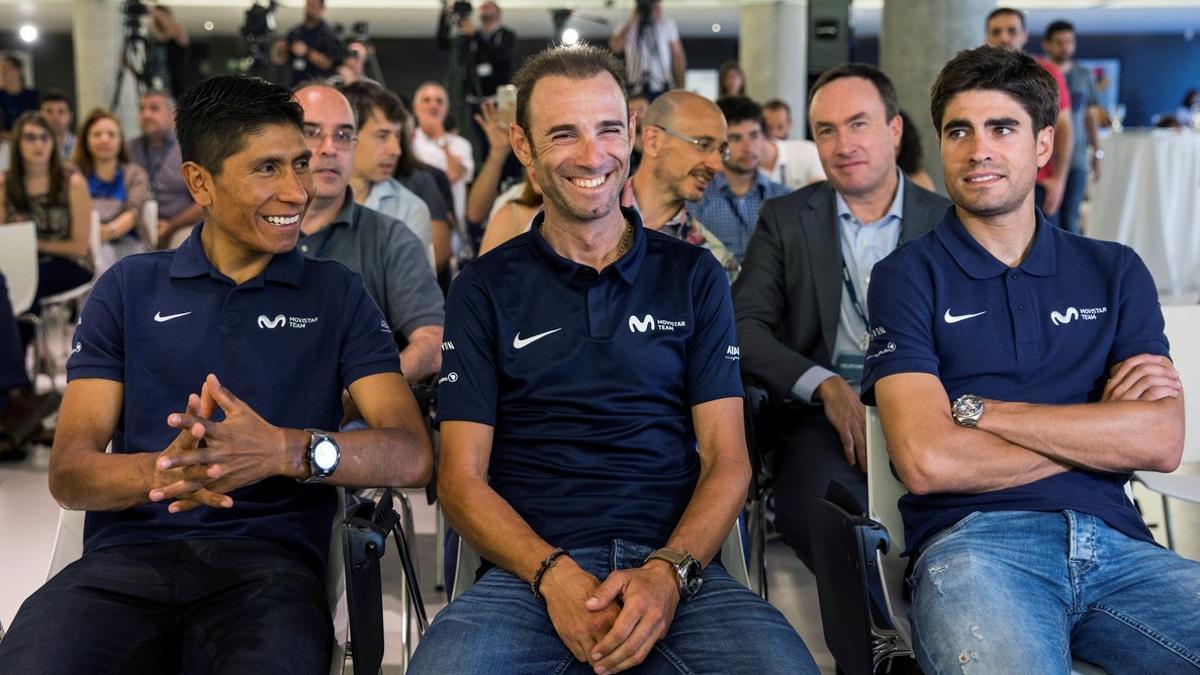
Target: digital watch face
{"points": [[325, 455]]}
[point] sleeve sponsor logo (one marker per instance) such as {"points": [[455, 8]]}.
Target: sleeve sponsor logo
{"points": [[450, 377], [891, 347], [733, 353], [447, 346]]}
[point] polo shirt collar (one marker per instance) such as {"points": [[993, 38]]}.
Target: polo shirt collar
{"points": [[190, 262], [894, 212], [978, 263], [565, 270], [346, 215], [389, 188]]}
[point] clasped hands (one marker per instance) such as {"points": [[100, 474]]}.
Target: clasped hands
{"points": [[611, 625], [208, 459]]}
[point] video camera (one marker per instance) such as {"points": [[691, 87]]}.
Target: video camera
{"points": [[133, 11], [645, 9], [259, 23], [461, 8]]}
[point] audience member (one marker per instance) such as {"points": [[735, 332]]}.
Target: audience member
{"points": [[654, 56], [15, 97], [1188, 108], [434, 145], [485, 190], [638, 105], [118, 187], [777, 116], [729, 206], [802, 294], [432, 186], [57, 110], [1021, 375], [794, 163], [166, 63], [1059, 44], [910, 156], [731, 81], [513, 214], [683, 141], [353, 67], [380, 116], [609, 521], [393, 262], [39, 187], [158, 152], [21, 411], [312, 49], [1005, 27], [231, 520]]}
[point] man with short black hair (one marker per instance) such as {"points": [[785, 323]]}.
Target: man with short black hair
{"points": [[801, 297], [1005, 27], [56, 108], [157, 151], [729, 206], [392, 260], [15, 97], [777, 119], [1059, 44], [597, 496], [1022, 375], [210, 555]]}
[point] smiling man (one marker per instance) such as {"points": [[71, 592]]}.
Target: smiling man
{"points": [[802, 295], [392, 261], [208, 522], [1021, 375], [683, 143], [596, 492]]}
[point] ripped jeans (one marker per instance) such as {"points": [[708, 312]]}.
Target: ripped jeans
{"points": [[1023, 592]]}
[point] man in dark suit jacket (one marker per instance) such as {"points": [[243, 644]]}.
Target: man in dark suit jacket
{"points": [[801, 298]]}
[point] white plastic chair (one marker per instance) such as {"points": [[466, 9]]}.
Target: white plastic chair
{"points": [[149, 224], [19, 263], [883, 494], [68, 547], [1182, 328]]}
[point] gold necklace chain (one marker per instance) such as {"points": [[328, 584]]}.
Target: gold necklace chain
{"points": [[626, 238]]}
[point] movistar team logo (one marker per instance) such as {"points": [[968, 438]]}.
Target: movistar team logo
{"points": [[1071, 313], [641, 325], [264, 322]]}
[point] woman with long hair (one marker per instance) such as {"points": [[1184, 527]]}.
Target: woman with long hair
{"points": [[119, 188], [40, 188], [731, 81]]}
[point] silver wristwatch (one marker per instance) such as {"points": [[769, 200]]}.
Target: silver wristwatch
{"points": [[688, 573], [324, 455], [967, 410]]}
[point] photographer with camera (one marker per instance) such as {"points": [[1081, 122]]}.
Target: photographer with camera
{"points": [[485, 51], [313, 46], [654, 58]]}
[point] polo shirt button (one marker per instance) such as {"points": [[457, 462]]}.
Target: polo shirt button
{"points": [[303, 248], [1021, 308]]}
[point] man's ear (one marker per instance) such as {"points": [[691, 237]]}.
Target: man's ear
{"points": [[652, 140], [200, 184], [1044, 146], [634, 128], [520, 144]]}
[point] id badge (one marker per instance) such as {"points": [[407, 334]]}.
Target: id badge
{"points": [[849, 366], [483, 69]]}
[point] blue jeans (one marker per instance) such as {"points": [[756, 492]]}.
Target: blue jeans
{"points": [[1068, 216], [1021, 592], [499, 627], [200, 606]]}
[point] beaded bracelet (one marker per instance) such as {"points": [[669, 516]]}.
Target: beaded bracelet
{"points": [[536, 584]]}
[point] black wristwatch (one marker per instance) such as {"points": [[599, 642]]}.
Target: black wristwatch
{"points": [[323, 456], [688, 573]]}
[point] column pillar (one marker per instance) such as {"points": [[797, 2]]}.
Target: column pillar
{"points": [[773, 53], [918, 38], [96, 31]]}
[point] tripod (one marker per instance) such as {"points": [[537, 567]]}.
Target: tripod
{"points": [[134, 56]]}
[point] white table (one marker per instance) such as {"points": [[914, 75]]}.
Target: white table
{"points": [[1148, 197]]}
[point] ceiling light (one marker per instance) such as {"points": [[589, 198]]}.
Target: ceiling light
{"points": [[570, 37], [208, 25], [28, 33], [716, 28]]}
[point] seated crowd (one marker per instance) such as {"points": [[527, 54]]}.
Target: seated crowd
{"points": [[610, 302]]}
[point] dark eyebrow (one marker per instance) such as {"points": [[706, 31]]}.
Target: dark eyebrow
{"points": [[1002, 122], [853, 118], [559, 128], [612, 123], [955, 124]]}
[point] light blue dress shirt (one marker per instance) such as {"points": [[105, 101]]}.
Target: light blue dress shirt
{"points": [[391, 198]]}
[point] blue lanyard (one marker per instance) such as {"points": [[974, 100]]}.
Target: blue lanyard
{"points": [[858, 308]]}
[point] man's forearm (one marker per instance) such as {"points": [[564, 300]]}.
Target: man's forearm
{"points": [[1092, 124], [491, 526], [85, 479], [388, 457], [1063, 140], [486, 186], [678, 65], [719, 496], [423, 355], [1116, 436]]}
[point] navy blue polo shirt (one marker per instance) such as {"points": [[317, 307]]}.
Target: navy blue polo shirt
{"points": [[286, 342], [1046, 331], [589, 380]]}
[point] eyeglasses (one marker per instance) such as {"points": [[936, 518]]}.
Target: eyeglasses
{"points": [[35, 138], [343, 139], [705, 145]]}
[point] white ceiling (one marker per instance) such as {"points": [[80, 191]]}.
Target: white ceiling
{"points": [[531, 18]]}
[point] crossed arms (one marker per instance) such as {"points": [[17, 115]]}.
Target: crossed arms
{"points": [[611, 624], [1136, 425]]}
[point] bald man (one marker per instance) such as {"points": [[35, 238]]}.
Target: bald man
{"points": [[683, 142], [440, 148], [384, 251]]}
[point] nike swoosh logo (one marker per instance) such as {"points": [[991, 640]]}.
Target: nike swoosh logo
{"points": [[519, 343], [950, 318], [160, 318]]}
